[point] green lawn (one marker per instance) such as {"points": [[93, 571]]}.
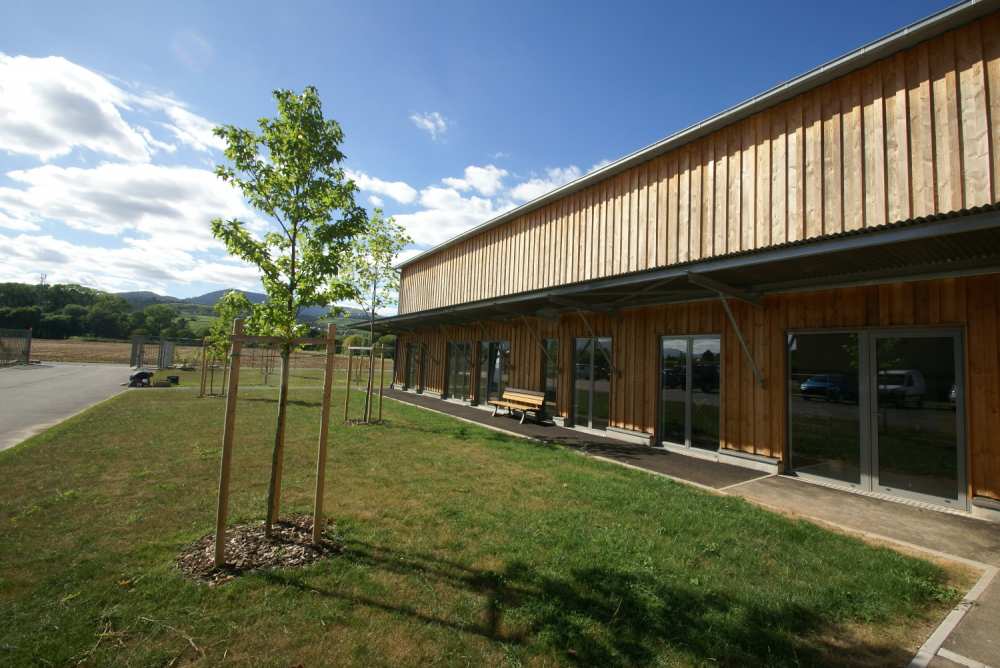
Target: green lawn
{"points": [[463, 547]]}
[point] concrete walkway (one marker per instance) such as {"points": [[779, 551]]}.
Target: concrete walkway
{"points": [[975, 641], [37, 396]]}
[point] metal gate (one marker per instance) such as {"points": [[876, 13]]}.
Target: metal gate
{"points": [[15, 346], [151, 353]]}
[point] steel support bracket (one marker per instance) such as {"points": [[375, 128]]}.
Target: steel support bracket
{"points": [[724, 292], [590, 330], [538, 337], [739, 337]]}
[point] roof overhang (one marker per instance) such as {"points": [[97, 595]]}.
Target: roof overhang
{"points": [[935, 24], [964, 243]]}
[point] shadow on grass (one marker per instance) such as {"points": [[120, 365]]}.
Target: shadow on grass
{"points": [[291, 402], [605, 616]]}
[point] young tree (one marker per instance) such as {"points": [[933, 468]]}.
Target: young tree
{"points": [[374, 281], [234, 304], [290, 172]]}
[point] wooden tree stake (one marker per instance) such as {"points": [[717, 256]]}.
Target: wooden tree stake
{"points": [[228, 433], [225, 375], [347, 393], [324, 427], [381, 380], [204, 369]]}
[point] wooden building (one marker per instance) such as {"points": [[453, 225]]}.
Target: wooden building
{"points": [[808, 282]]}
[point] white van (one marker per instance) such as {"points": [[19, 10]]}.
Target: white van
{"points": [[901, 387]]}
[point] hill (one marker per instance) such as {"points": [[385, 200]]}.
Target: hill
{"points": [[140, 299], [210, 298], [201, 305]]}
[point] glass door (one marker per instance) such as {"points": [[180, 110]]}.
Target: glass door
{"points": [[824, 412], [413, 377], [592, 371], [706, 365], [494, 363], [689, 390], [880, 410], [916, 415], [459, 362], [673, 390]]}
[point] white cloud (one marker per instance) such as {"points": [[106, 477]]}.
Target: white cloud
{"points": [[172, 205], [406, 254], [376, 201], [156, 143], [599, 164], [51, 106], [192, 129], [488, 180], [539, 185], [16, 224], [431, 122], [135, 266], [400, 191], [445, 213]]}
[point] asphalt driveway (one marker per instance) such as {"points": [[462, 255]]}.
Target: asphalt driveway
{"points": [[35, 397]]}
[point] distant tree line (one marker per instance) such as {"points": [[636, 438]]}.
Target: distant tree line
{"points": [[64, 310]]}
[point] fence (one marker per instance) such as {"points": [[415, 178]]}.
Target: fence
{"points": [[15, 346], [156, 353]]}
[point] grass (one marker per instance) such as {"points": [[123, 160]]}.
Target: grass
{"points": [[463, 547]]}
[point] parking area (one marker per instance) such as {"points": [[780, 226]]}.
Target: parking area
{"points": [[37, 396]]}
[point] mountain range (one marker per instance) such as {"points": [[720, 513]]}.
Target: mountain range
{"points": [[143, 298]]}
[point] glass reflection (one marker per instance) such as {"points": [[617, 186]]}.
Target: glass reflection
{"points": [[825, 420], [673, 391], [916, 422], [705, 359], [592, 382]]}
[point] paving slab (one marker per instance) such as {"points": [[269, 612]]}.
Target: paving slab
{"points": [[944, 532], [705, 472], [977, 637], [36, 396]]}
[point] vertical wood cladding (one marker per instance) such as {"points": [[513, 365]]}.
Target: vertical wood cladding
{"points": [[914, 134], [754, 418]]}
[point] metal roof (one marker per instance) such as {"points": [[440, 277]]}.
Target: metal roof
{"points": [[939, 22], [960, 243]]}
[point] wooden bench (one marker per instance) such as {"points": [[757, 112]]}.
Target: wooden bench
{"points": [[523, 401]]}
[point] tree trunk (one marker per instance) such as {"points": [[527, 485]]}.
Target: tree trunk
{"points": [[278, 454]]}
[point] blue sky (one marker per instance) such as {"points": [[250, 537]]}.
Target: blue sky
{"points": [[453, 111]]}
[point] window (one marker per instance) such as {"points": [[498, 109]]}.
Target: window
{"points": [[689, 390], [592, 370], [414, 376], [880, 410], [459, 362], [494, 367]]}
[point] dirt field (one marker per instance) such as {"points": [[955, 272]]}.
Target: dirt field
{"points": [[117, 352]]}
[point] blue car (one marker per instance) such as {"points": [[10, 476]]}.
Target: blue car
{"points": [[830, 387]]}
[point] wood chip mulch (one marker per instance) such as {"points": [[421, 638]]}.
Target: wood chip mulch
{"points": [[247, 549]]}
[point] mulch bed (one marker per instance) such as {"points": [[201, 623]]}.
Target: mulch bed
{"points": [[247, 549]]}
